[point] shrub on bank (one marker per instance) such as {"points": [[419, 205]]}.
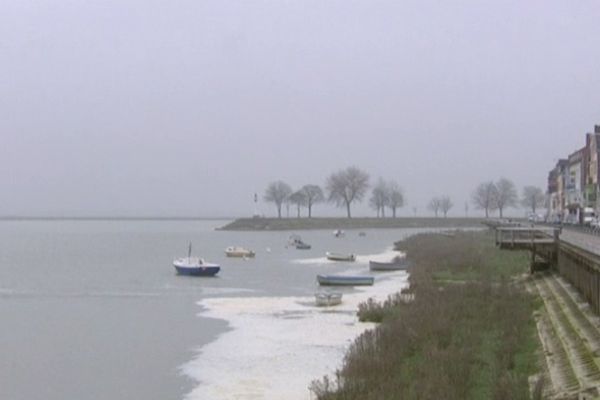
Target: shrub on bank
{"points": [[470, 339]]}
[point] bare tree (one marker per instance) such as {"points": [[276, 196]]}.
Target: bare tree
{"points": [[298, 199], [446, 204], [396, 197], [533, 197], [277, 192], [466, 209], [434, 205], [485, 197], [314, 195], [379, 197], [346, 186], [507, 194]]}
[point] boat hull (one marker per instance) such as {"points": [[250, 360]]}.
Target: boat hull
{"points": [[240, 255], [328, 299], [197, 271], [389, 266], [239, 252], [340, 280], [340, 257]]}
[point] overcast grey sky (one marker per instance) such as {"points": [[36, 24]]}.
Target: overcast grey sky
{"points": [[145, 107]]}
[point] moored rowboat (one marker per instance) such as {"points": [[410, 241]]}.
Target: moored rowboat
{"points": [[345, 280], [327, 299], [340, 257], [396, 264], [234, 251]]}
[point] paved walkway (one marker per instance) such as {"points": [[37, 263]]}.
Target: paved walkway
{"points": [[586, 241]]}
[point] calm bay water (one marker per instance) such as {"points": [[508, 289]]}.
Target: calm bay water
{"points": [[94, 310]]}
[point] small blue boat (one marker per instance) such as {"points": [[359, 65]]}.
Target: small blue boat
{"points": [[345, 280], [195, 266]]}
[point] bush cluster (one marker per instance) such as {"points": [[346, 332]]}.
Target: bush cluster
{"points": [[457, 339]]}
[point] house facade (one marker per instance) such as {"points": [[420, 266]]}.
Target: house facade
{"points": [[556, 191], [592, 188], [574, 182]]}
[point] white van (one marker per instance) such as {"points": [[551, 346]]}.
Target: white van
{"points": [[589, 215]]}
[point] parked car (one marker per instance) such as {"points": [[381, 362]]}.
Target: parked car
{"points": [[533, 217], [589, 215]]}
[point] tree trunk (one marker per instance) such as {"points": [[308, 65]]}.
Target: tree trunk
{"points": [[298, 210], [382, 211], [394, 211], [487, 215], [348, 209], [309, 209], [500, 210], [278, 210]]}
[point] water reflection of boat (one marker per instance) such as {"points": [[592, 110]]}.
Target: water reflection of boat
{"points": [[195, 266], [396, 264], [340, 257], [345, 280], [235, 251], [327, 299]]}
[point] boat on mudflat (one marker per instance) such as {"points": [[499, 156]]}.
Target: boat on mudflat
{"points": [[340, 257], [195, 266], [338, 233], [396, 264], [303, 246], [345, 280], [296, 241], [327, 299], [240, 252]]}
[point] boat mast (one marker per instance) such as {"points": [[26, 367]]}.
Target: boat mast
{"points": [[190, 250]]}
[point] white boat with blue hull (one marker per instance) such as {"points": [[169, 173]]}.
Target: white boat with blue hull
{"points": [[195, 266]]}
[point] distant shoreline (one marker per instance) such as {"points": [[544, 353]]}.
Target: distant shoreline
{"points": [[115, 218], [283, 224]]}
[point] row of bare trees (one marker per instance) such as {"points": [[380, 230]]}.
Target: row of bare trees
{"points": [[491, 196], [441, 203], [350, 185], [386, 194], [279, 192], [342, 188]]}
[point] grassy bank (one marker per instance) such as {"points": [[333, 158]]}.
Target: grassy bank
{"points": [[468, 334], [261, 224]]}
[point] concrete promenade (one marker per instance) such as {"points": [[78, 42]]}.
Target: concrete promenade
{"points": [[583, 240]]}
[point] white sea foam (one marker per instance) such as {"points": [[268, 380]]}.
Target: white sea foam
{"points": [[222, 291], [278, 345], [313, 261]]}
